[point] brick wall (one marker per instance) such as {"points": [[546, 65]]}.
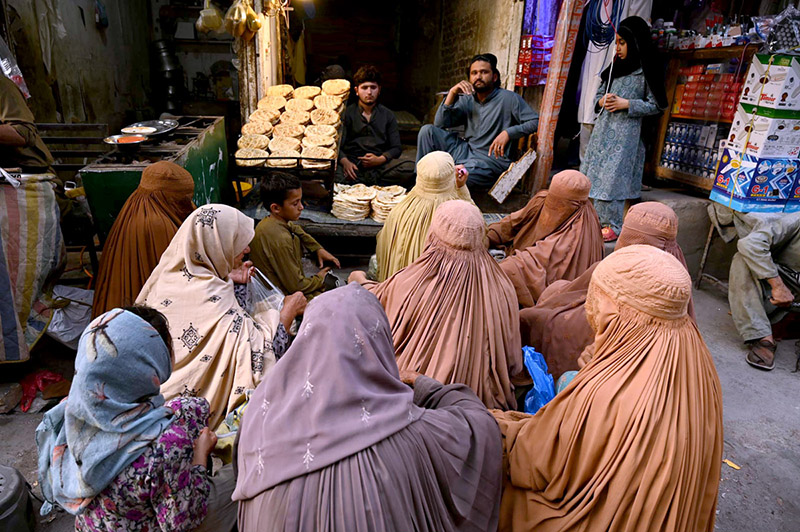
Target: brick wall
{"points": [[459, 31]]}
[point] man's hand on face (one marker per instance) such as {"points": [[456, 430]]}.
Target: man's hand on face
{"points": [[349, 169], [498, 147], [462, 87], [371, 160]]}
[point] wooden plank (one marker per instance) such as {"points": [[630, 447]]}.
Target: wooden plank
{"points": [[509, 179], [701, 183]]}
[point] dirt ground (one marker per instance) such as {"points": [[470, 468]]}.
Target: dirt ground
{"points": [[762, 432]]}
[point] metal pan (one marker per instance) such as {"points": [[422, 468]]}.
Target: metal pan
{"points": [[161, 126]]}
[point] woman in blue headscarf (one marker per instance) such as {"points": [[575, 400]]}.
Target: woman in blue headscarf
{"points": [[112, 453]]}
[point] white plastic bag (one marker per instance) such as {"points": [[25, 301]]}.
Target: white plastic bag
{"points": [[262, 295], [70, 320]]}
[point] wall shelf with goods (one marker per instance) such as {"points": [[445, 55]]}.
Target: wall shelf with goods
{"points": [[703, 87]]}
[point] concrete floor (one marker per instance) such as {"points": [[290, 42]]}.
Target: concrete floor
{"points": [[762, 432]]}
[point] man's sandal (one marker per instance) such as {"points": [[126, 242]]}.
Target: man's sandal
{"points": [[755, 356]]}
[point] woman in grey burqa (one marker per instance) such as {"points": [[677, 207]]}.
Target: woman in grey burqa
{"points": [[333, 440]]}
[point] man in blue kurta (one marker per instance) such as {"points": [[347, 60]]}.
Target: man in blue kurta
{"points": [[493, 117]]}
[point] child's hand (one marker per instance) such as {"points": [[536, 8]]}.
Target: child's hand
{"points": [[203, 446], [293, 305], [615, 103], [323, 272], [323, 255]]}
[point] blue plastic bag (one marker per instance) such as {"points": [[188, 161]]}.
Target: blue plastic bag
{"points": [[543, 387]]}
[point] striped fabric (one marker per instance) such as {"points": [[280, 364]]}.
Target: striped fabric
{"points": [[31, 252]]}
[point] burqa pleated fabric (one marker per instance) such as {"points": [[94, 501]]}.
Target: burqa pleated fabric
{"points": [[402, 238], [333, 441], [634, 442], [556, 236], [221, 351], [142, 231], [557, 325], [452, 311]]}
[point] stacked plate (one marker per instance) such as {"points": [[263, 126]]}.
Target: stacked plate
{"points": [[383, 204], [354, 203]]}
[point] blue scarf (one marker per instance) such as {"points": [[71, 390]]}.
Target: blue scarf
{"points": [[114, 410]]}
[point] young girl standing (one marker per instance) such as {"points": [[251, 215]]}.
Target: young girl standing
{"points": [[615, 155]]}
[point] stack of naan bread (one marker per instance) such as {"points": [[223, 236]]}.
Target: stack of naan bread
{"points": [[385, 200], [292, 124], [357, 202]]}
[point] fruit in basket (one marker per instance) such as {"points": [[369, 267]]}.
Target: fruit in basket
{"points": [[250, 157]]}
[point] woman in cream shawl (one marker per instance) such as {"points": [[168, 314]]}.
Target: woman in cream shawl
{"points": [[402, 238], [221, 351], [634, 443]]}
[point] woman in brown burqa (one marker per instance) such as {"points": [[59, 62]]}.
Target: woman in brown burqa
{"points": [[634, 443], [453, 313], [556, 236], [333, 441], [557, 324], [142, 231]]}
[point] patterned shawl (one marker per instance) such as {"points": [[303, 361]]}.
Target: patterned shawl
{"points": [[334, 393], [220, 350], [113, 411]]}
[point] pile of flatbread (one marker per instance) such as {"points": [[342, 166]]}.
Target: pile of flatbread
{"points": [[354, 203], [385, 200], [357, 202], [294, 126]]}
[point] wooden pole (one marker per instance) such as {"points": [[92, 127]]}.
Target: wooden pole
{"points": [[569, 20]]}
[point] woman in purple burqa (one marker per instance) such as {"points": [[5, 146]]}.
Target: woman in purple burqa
{"points": [[334, 441]]}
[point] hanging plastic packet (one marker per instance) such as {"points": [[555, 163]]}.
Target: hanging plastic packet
{"points": [[10, 68], [262, 295], [210, 18]]}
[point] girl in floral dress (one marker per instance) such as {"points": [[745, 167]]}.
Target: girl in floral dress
{"points": [[114, 454]]}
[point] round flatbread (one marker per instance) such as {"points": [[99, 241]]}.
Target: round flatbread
{"points": [[322, 130], [295, 117], [318, 140], [250, 157], [318, 152], [270, 115], [139, 130], [272, 101], [324, 116], [276, 161], [285, 91], [336, 87], [257, 127], [299, 104], [327, 101], [288, 130], [393, 190], [361, 192], [307, 93], [284, 144], [253, 141]]}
